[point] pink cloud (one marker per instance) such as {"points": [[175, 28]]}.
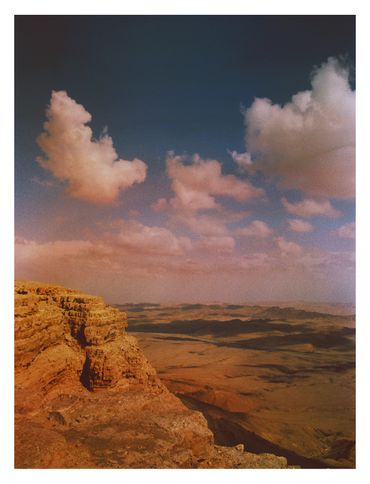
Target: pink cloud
{"points": [[62, 261], [143, 239], [308, 143], [298, 225], [60, 248], [133, 213], [257, 229], [257, 260], [218, 244], [203, 225], [132, 271], [288, 248], [321, 262], [310, 208], [346, 231], [91, 168], [196, 185]]}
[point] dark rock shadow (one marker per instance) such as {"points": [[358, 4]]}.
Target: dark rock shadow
{"points": [[232, 327]]}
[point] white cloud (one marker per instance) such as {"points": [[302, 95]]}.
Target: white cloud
{"points": [[308, 143], [298, 225], [243, 160], [310, 208], [197, 184], [90, 167]]}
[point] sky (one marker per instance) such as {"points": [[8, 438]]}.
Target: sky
{"points": [[187, 158]]}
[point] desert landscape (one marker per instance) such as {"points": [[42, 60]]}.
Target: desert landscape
{"points": [[275, 379], [185, 242], [87, 397], [256, 387]]}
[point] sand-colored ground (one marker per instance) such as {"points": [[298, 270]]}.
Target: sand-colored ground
{"points": [[278, 380]]}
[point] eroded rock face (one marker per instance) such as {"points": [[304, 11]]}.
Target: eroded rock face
{"points": [[86, 396], [85, 327]]}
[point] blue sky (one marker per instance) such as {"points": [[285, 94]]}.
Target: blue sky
{"points": [[188, 85]]}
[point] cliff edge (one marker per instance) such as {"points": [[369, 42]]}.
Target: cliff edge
{"points": [[86, 396]]}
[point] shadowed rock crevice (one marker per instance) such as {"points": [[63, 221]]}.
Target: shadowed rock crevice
{"points": [[85, 375], [80, 336]]}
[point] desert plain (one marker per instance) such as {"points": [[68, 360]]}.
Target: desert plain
{"points": [[277, 379]]}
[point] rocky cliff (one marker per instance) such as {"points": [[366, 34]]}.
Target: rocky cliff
{"points": [[86, 396]]}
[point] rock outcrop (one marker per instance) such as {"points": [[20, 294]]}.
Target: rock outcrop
{"points": [[86, 396]]}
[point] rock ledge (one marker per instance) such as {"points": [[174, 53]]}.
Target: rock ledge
{"points": [[86, 396]]}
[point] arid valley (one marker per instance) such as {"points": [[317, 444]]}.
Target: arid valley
{"points": [[280, 380], [189, 386]]}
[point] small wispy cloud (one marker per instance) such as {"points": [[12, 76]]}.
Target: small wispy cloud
{"points": [[243, 160], [309, 208], [257, 229], [288, 248], [346, 231], [298, 225], [218, 244], [42, 182]]}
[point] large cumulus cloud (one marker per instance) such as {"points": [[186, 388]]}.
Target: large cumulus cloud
{"points": [[308, 143], [90, 167]]}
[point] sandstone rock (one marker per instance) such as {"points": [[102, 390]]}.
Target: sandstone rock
{"points": [[86, 396]]}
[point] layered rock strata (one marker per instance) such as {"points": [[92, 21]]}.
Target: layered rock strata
{"points": [[86, 396]]}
